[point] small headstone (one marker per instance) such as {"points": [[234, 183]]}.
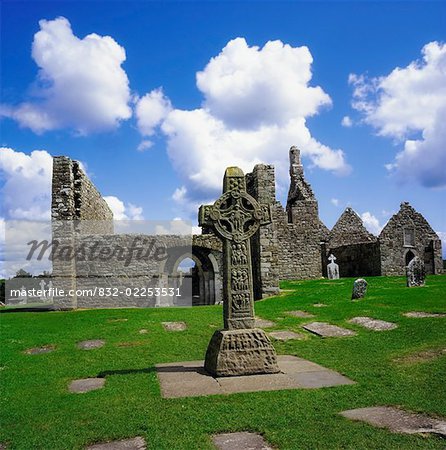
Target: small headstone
{"points": [[327, 330], [286, 335], [373, 324], [397, 420], [415, 272], [332, 268], [137, 443], [174, 326], [263, 323], [240, 440], [359, 288], [421, 314], [300, 314], [86, 385], [39, 350], [91, 344]]}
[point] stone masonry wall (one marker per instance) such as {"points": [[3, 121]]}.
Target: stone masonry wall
{"points": [[426, 244]]}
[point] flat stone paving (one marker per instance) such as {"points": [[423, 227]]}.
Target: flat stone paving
{"points": [[189, 379], [91, 344], [373, 324], [174, 326], [241, 440], [286, 335], [39, 350], [397, 420], [86, 384], [300, 314], [421, 314], [137, 443], [263, 323], [324, 329]]}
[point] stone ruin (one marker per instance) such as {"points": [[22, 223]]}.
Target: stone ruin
{"points": [[294, 245]]}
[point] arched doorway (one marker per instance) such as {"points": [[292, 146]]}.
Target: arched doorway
{"points": [[409, 256], [194, 274]]}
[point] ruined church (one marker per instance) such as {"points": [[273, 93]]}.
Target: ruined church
{"points": [[295, 245]]}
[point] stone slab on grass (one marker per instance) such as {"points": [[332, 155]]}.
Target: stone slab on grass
{"points": [[263, 323], [373, 324], [40, 350], [300, 314], [285, 335], [91, 344], [319, 305], [86, 384], [397, 420], [421, 314], [174, 326], [324, 329], [137, 443], [240, 440], [189, 379]]}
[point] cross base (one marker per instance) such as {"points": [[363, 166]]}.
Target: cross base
{"points": [[240, 352]]}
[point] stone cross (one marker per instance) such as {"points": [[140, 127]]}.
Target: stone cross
{"points": [[238, 349], [235, 217], [332, 268]]}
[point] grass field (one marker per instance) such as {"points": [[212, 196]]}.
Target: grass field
{"points": [[38, 412]]}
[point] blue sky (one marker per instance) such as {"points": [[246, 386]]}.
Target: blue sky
{"points": [[320, 75]]}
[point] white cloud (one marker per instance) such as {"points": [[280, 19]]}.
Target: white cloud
{"points": [[144, 145], [150, 110], [256, 101], [371, 223], [80, 83], [334, 201], [409, 105], [26, 190], [346, 122], [122, 211]]}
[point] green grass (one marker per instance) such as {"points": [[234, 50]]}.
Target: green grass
{"points": [[38, 412]]}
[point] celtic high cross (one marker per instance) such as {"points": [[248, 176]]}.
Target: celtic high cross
{"points": [[235, 217], [238, 349]]}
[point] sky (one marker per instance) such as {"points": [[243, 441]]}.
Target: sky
{"points": [[156, 99]]}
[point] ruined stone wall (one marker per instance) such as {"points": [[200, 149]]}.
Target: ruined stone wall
{"points": [[260, 184], [395, 247], [356, 260]]}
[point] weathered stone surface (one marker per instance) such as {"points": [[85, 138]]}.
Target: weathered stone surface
{"points": [[421, 314], [359, 289], [319, 305], [263, 323], [240, 440], [421, 356], [285, 335], [240, 352], [86, 385], [300, 314], [327, 330], [235, 217], [397, 420], [143, 331], [189, 379], [137, 443], [174, 326], [373, 324], [39, 350], [332, 268], [415, 273], [91, 344]]}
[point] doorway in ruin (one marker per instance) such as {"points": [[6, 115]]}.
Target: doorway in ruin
{"points": [[409, 256], [193, 275]]}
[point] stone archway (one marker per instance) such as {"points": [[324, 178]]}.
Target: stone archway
{"points": [[408, 257], [200, 286]]}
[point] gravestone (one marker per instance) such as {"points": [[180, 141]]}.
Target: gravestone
{"points": [[359, 288], [332, 268], [238, 349], [415, 273]]}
